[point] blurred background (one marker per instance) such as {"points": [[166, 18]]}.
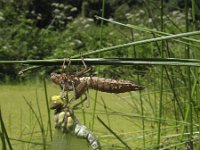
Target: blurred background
{"points": [[40, 29]]}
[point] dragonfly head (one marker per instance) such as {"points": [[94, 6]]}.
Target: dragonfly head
{"points": [[64, 80], [56, 102]]}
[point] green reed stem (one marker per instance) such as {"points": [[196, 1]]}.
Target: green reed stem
{"points": [[32, 133], [96, 93], [117, 136], [140, 96], [161, 80], [94, 110], [142, 113], [83, 112], [198, 105], [49, 126], [10, 123], [106, 111], [4, 134], [189, 107], [189, 79], [144, 29], [21, 122], [2, 140], [102, 15], [194, 7], [27, 142], [114, 61], [38, 121], [137, 43], [41, 120]]}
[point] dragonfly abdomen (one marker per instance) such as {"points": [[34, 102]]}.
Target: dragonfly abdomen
{"points": [[111, 85]]}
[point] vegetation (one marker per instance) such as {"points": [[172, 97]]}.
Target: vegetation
{"points": [[163, 116]]}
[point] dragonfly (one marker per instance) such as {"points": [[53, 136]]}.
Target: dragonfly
{"points": [[66, 121], [79, 84]]}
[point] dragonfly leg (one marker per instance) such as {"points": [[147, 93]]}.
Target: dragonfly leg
{"points": [[82, 59], [85, 70], [76, 106], [79, 90]]}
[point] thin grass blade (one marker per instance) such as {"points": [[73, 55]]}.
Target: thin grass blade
{"points": [[109, 129], [114, 61], [49, 126], [4, 133], [39, 123], [144, 29]]}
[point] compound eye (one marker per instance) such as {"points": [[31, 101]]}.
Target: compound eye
{"points": [[55, 104]]}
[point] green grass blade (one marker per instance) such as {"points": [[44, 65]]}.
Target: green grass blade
{"points": [[32, 134], [77, 105], [29, 69], [102, 15], [83, 114], [118, 137], [194, 7], [96, 92], [39, 111], [189, 111], [106, 111], [38, 121], [144, 29], [41, 121], [49, 126], [142, 114], [27, 142], [3, 139], [115, 61], [161, 77], [92, 52], [94, 110], [4, 133]]}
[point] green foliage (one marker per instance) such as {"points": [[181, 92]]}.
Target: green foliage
{"points": [[22, 40], [30, 31]]}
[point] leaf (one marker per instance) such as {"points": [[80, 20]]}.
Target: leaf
{"points": [[69, 141]]}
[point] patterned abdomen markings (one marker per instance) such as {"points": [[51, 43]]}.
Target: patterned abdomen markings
{"points": [[110, 85]]}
